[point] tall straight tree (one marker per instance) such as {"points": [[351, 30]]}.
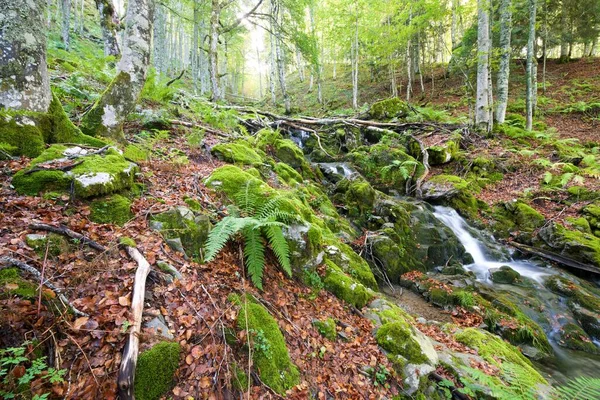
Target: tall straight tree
{"points": [[66, 22], [107, 115], [108, 24], [505, 53], [531, 68], [483, 119]]}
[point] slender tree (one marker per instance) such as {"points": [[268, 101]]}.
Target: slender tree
{"points": [[109, 22], [66, 23], [531, 69], [107, 115], [482, 105], [505, 53]]}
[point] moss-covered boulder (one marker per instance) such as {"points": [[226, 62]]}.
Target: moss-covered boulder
{"points": [[11, 284], [389, 108], [346, 287], [452, 191], [326, 328], [304, 242], [183, 230], [238, 152], [496, 351], [27, 132], [575, 338], [504, 274], [155, 370], [516, 217], [115, 209], [358, 196], [351, 263], [92, 176], [270, 356], [592, 214], [284, 150], [55, 243], [577, 245], [589, 320], [287, 174], [231, 180]]}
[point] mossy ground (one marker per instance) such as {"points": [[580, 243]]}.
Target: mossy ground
{"points": [[154, 374], [115, 209], [11, 283], [345, 287]]}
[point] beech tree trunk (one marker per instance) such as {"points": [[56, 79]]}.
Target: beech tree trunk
{"points": [[160, 50], [108, 23], [66, 22], [565, 33], [531, 70], [213, 54], [355, 54], [195, 44], [482, 105], [24, 83], [107, 115], [505, 56]]}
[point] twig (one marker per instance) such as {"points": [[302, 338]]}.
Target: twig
{"points": [[6, 262], [42, 278], [176, 78], [63, 230]]}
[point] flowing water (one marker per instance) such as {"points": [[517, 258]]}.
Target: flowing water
{"points": [[565, 364]]}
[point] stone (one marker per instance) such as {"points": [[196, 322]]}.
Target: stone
{"points": [[504, 274], [160, 326]]}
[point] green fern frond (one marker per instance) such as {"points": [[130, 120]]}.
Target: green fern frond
{"points": [[270, 207], [280, 247], [254, 253], [222, 232], [581, 388]]}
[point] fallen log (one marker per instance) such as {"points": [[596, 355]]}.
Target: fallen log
{"points": [[198, 125], [63, 230], [558, 258], [6, 262], [126, 377]]}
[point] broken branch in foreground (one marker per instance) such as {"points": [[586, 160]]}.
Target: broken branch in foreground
{"points": [[6, 262], [63, 230], [126, 376]]}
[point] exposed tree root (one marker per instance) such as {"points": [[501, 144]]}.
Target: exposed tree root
{"points": [[63, 230]]}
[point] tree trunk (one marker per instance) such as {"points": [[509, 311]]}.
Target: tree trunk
{"points": [[24, 83], [108, 23], [409, 76], [272, 69], [355, 54], [300, 64], [195, 44], [108, 114], [66, 22], [276, 12], [160, 51], [260, 84], [213, 50], [454, 24], [505, 56], [564, 38], [482, 105], [530, 65]]}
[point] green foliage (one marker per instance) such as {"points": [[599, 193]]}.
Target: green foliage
{"points": [[399, 169], [255, 221], [517, 383], [35, 369], [578, 389], [156, 90]]}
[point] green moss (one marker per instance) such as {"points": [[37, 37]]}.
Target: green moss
{"points": [[516, 216], [237, 153], [127, 241], [115, 209], [270, 356], [180, 224], [397, 338], [287, 174], [576, 293], [326, 328], [239, 378], [11, 284], [442, 154], [136, 153], [345, 287], [231, 179], [193, 204], [496, 351], [581, 246], [581, 224], [57, 244], [22, 134], [389, 108], [592, 215], [573, 337], [351, 263], [463, 200], [155, 370], [440, 297]]}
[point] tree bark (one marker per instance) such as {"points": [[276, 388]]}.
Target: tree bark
{"points": [[355, 55], [213, 51], [108, 23], [160, 44], [66, 22], [505, 56], [565, 33], [24, 83], [482, 105], [531, 81], [276, 12], [107, 115]]}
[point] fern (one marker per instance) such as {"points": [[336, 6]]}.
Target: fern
{"points": [[255, 222], [581, 388]]}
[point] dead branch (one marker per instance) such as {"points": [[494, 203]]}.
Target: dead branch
{"points": [[63, 230], [6, 262], [422, 178], [126, 375], [176, 78], [53, 167], [558, 258], [199, 125]]}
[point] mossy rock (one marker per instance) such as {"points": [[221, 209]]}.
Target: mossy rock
{"points": [[283, 150], [345, 287], [573, 291], [11, 284], [115, 209], [592, 215], [358, 196], [504, 274], [136, 153], [237, 153], [389, 108], [351, 263], [181, 227], [397, 339], [97, 175], [56, 244], [440, 297], [575, 338], [496, 351], [516, 217], [454, 192], [326, 328], [580, 246], [155, 370], [231, 180], [287, 174], [27, 132], [589, 320], [270, 356], [581, 224]]}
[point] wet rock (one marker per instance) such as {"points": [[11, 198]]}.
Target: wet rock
{"points": [[160, 326], [589, 320], [575, 338], [305, 247], [452, 191], [576, 245], [167, 268], [504, 274]]}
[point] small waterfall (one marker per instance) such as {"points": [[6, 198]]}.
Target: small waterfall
{"points": [[337, 168], [482, 263], [299, 136]]}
